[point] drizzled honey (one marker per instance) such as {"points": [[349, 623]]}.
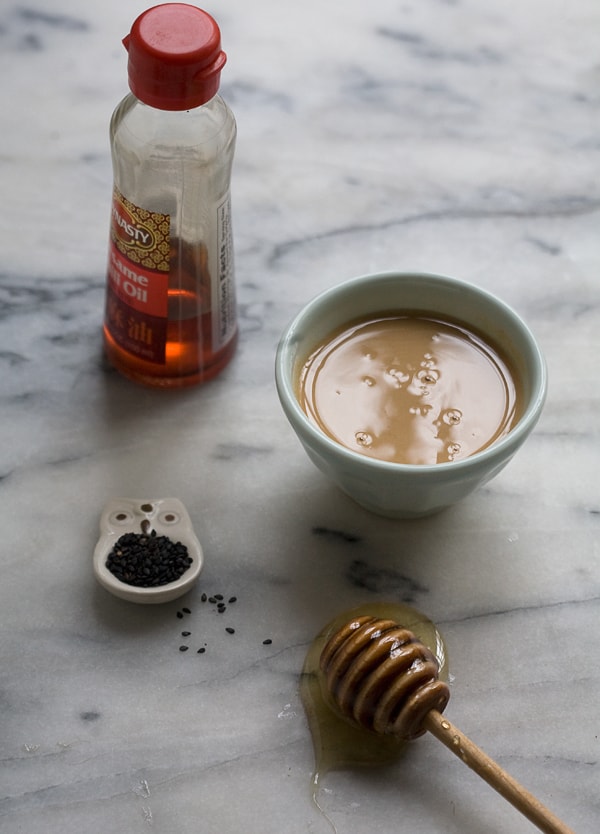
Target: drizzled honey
{"points": [[337, 742]]}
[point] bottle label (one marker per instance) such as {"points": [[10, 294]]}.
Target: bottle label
{"points": [[138, 279], [223, 301], [153, 274]]}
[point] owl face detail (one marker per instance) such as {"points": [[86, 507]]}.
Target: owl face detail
{"points": [[146, 518]]}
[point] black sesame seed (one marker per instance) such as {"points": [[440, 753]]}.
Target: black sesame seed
{"points": [[186, 610], [212, 599], [183, 648], [203, 598], [230, 630], [201, 651], [179, 615], [185, 633], [267, 642], [146, 561], [218, 596], [232, 599], [221, 609]]}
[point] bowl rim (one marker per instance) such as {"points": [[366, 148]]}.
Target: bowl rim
{"points": [[496, 452]]}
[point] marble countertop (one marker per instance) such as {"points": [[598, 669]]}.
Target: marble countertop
{"points": [[448, 136]]}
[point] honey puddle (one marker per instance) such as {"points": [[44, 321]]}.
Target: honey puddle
{"points": [[337, 743]]}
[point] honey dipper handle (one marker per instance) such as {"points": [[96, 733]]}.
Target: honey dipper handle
{"points": [[493, 774]]}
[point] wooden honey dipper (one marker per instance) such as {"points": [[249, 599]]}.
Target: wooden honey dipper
{"points": [[381, 677]]}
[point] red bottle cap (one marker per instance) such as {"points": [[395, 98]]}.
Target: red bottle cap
{"points": [[175, 57]]}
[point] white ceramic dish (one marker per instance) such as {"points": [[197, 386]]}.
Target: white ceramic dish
{"points": [[167, 517], [402, 490]]}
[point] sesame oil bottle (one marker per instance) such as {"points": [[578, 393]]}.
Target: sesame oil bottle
{"points": [[170, 317]]}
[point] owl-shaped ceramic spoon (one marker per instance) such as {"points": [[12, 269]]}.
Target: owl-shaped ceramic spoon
{"points": [[153, 517]]}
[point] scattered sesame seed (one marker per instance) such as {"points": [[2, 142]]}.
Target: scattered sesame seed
{"points": [[220, 607], [267, 642]]}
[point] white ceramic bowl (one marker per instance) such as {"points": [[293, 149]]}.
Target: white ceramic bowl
{"points": [[166, 517], [403, 490]]}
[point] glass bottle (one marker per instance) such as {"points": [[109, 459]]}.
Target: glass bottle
{"points": [[170, 316]]}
